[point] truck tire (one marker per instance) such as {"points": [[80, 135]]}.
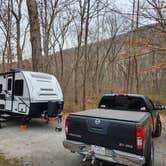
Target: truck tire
{"points": [[158, 128], [149, 159]]}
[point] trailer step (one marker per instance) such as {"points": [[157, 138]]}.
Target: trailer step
{"points": [[5, 116], [2, 120]]}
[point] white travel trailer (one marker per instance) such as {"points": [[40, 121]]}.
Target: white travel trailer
{"points": [[30, 94]]}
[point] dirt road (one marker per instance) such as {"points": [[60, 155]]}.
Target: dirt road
{"points": [[41, 145]]}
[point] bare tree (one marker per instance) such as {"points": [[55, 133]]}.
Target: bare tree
{"points": [[6, 24], [79, 21], [18, 17], [35, 34], [60, 39], [48, 12], [86, 52]]}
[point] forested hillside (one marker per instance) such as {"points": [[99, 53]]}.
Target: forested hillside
{"points": [[112, 68]]}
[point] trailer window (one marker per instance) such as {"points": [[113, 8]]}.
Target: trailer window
{"points": [[0, 88], [18, 87], [9, 84]]}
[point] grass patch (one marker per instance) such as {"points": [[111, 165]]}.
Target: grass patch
{"points": [[8, 162], [163, 114], [72, 107], [158, 100]]}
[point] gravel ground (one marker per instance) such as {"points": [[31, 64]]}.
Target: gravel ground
{"points": [[41, 145]]}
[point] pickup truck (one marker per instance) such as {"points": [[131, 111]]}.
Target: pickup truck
{"points": [[120, 130]]}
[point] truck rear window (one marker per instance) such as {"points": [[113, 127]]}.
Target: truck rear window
{"points": [[122, 103]]}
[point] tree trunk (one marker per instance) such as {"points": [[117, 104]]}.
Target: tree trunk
{"points": [[3, 57], [86, 55], [35, 34], [62, 63], [9, 24], [19, 51]]}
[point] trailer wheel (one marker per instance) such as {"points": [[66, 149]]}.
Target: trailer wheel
{"points": [[59, 129], [149, 159]]}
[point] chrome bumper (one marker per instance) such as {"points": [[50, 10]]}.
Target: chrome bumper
{"points": [[114, 156]]}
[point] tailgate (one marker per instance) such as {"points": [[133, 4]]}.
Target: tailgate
{"points": [[113, 134]]}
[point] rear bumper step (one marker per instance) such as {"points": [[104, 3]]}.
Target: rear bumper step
{"points": [[114, 156]]}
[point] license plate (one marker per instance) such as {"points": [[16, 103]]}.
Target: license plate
{"points": [[98, 149]]}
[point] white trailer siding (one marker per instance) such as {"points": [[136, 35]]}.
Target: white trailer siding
{"points": [[43, 87]]}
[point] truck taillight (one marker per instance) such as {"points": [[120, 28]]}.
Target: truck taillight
{"points": [[139, 138], [66, 126]]}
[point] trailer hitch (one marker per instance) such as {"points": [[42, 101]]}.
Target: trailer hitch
{"points": [[90, 155]]}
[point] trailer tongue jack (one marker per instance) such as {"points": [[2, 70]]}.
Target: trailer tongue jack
{"points": [[59, 124]]}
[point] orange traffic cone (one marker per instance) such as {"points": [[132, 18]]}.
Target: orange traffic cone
{"points": [[23, 127], [49, 121]]}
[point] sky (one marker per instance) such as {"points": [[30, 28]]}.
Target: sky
{"points": [[125, 5]]}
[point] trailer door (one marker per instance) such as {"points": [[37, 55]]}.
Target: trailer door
{"points": [[2, 95], [9, 89]]}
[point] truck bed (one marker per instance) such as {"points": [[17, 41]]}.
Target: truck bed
{"points": [[130, 116], [114, 129]]}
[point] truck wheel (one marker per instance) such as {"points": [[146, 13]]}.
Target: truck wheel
{"points": [[149, 159], [158, 128]]}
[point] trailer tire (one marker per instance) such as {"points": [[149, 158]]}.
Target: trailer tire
{"points": [[149, 159], [59, 129]]}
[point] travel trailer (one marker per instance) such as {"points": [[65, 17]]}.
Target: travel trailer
{"points": [[30, 95]]}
